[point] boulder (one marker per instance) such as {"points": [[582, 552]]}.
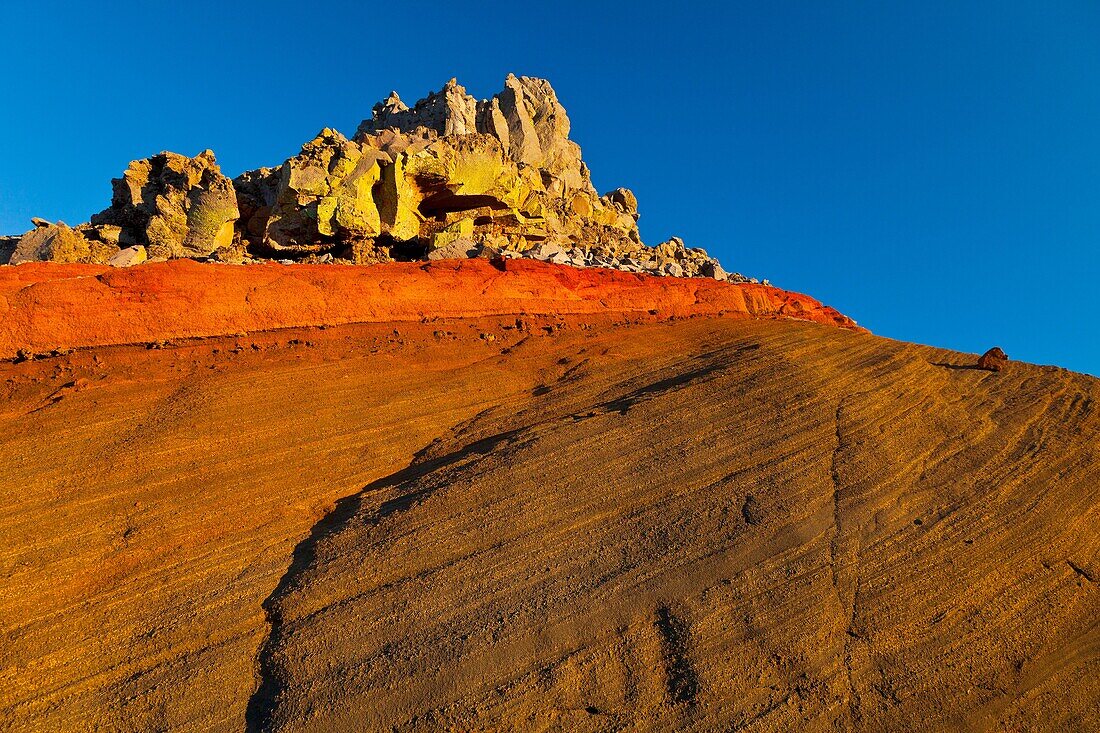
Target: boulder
{"points": [[459, 249], [129, 257], [624, 199], [714, 270], [993, 360], [672, 269], [106, 233], [177, 206], [59, 243]]}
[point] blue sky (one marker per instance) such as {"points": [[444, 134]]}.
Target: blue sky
{"points": [[932, 169]]}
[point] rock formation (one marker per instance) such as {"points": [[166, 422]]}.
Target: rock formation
{"points": [[500, 173], [993, 360], [58, 243], [174, 205], [7, 248]]}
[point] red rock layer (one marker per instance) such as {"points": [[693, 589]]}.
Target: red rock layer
{"points": [[45, 306]]}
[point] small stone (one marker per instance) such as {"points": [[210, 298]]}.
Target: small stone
{"points": [[672, 269], [129, 257], [459, 249]]}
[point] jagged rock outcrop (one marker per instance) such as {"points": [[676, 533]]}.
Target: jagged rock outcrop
{"points": [[500, 173], [174, 205], [7, 248], [60, 243], [321, 196]]}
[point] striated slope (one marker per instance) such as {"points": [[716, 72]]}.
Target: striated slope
{"points": [[772, 528], [697, 524]]}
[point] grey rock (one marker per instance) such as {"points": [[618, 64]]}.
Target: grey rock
{"points": [[714, 270], [460, 249], [129, 257], [672, 269]]}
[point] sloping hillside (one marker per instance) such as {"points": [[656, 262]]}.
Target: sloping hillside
{"points": [[579, 523]]}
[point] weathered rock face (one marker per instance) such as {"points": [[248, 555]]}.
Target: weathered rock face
{"points": [[323, 195], [181, 298], [499, 173], [451, 111], [502, 171], [7, 248], [176, 206], [58, 243], [256, 196]]}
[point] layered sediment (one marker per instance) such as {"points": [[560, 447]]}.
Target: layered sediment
{"points": [[588, 524], [46, 307]]}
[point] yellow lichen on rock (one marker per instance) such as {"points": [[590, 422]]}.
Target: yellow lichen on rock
{"points": [[504, 167], [59, 243], [177, 206], [398, 201]]}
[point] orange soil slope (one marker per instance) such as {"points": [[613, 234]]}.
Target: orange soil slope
{"points": [[584, 524], [45, 306]]}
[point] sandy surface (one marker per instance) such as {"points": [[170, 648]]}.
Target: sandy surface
{"points": [[581, 523]]}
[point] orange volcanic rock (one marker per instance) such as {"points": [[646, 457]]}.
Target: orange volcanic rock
{"points": [[46, 306]]}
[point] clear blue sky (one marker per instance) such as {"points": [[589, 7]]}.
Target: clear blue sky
{"points": [[930, 168]]}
